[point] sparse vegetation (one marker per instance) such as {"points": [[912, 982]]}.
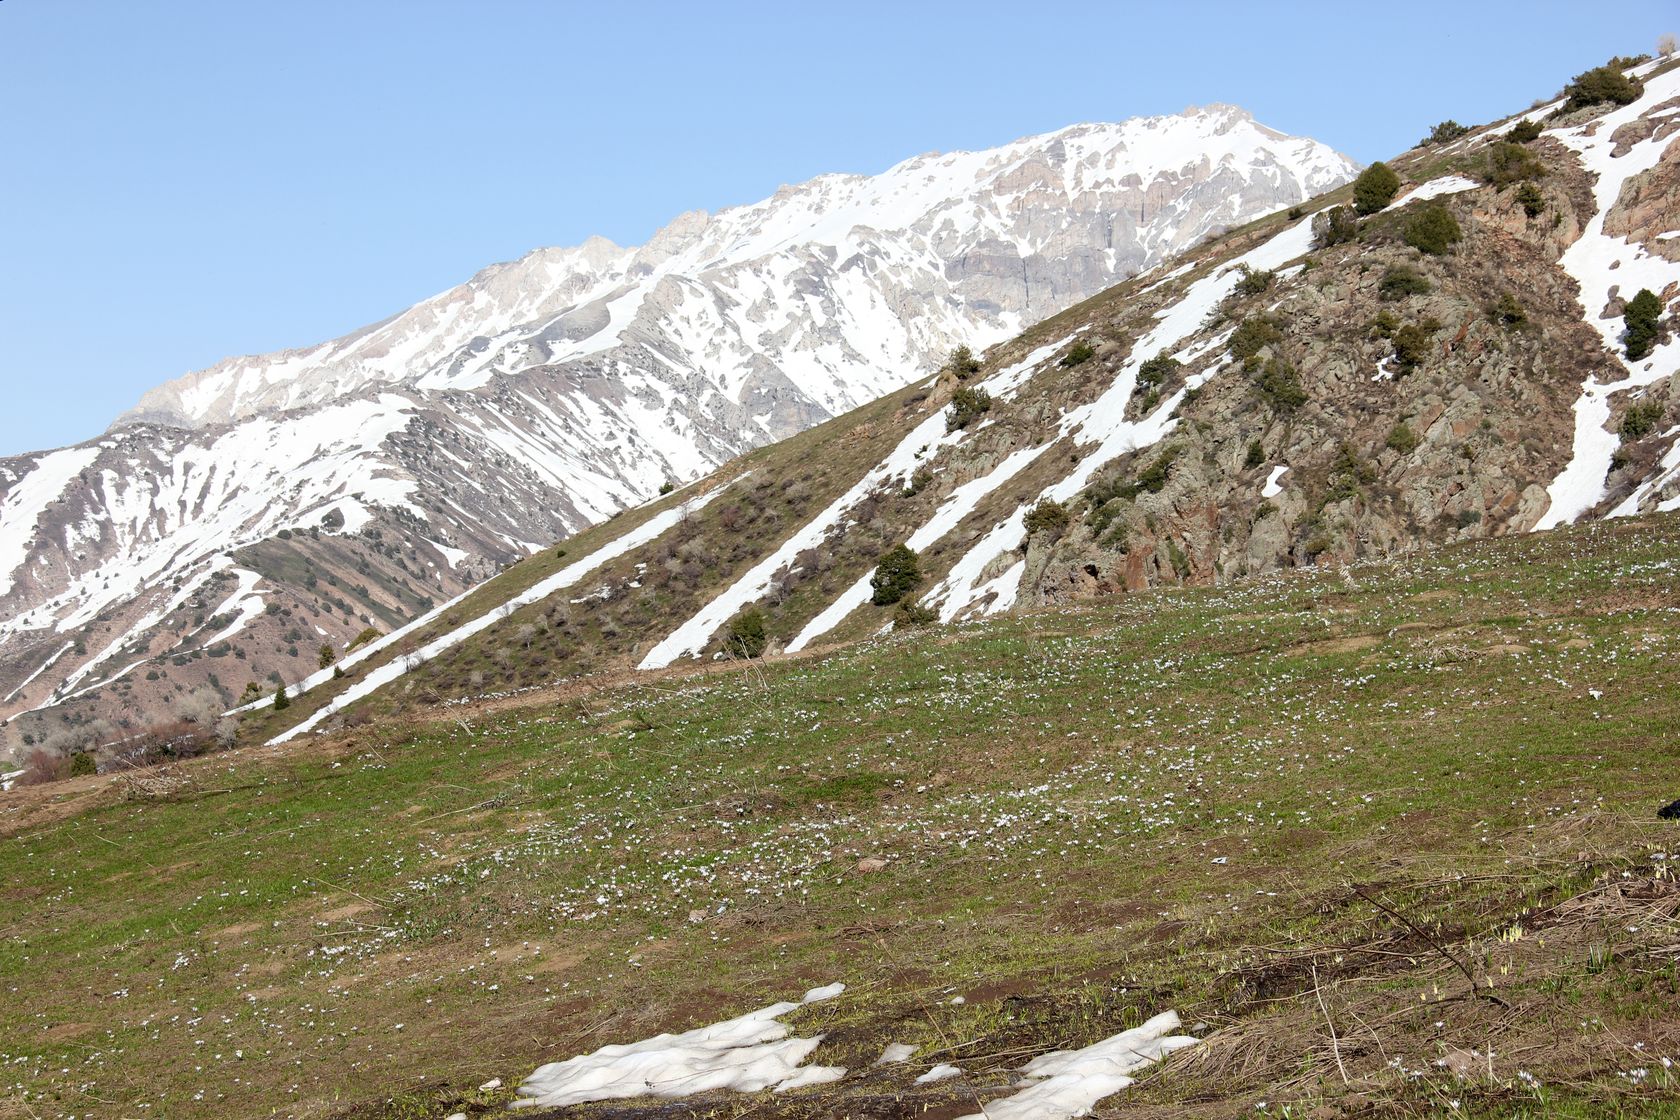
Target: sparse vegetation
{"points": [[1047, 518], [897, 574], [1602, 85], [1104, 497], [1375, 188], [1642, 321], [1444, 133], [1641, 419], [967, 405], [1432, 229], [963, 363], [1508, 311], [1401, 438], [1401, 281], [1335, 226], [1078, 354], [747, 635]]}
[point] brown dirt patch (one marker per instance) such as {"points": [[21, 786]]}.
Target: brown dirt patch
{"points": [[1352, 644], [348, 910]]}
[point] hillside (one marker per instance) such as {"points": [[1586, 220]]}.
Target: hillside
{"points": [[261, 508], [1249, 691], [1307, 812], [1279, 398]]}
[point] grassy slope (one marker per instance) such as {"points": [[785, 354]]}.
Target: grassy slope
{"points": [[383, 920]]}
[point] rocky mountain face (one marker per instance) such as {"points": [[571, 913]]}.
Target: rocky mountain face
{"points": [[1311, 389], [242, 517]]}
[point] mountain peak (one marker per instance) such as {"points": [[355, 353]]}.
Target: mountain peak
{"points": [[547, 393], [955, 192], [1218, 109]]}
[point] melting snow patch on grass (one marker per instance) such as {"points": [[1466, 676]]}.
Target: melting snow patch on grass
{"points": [[894, 1053], [1068, 1083], [747, 1054]]}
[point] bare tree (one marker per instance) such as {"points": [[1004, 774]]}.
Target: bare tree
{"points": [[1666, 44]]}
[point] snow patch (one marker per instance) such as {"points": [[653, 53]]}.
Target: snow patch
{"points": [[1604, 266], [1068, 1083], [1272, 489], [1435, 188], [745, 1054]]}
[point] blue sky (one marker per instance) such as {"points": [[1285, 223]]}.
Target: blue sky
{"points": [[182, 181]]}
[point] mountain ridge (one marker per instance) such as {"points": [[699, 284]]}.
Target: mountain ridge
{"points": [[1280, 398], [587, 266], [550, 392]]}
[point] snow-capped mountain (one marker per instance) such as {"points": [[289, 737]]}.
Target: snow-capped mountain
{"points": [[412, 457]]}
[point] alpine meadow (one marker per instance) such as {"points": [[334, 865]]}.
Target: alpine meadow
{"points": [[1153, 619]]}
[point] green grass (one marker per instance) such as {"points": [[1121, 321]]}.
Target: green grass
{"points": [[1183, 798]]}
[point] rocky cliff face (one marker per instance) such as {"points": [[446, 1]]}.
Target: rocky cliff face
{"points": [[242, 516]]}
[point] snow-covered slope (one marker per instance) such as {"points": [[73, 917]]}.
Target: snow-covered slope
{"points": [[1630, 144], [546, 394], [835, 284]]}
